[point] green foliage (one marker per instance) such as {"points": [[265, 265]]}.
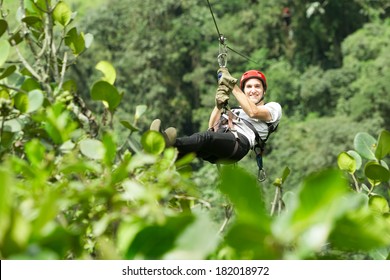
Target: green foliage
{"points": [[366, 56], [104, 91], [322, 218], [66, 192], [311, 145], [4, 49], [373, 151], [75, 189]]}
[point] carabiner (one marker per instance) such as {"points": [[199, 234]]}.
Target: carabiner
{"points": [[222, 50], [261, 176]]}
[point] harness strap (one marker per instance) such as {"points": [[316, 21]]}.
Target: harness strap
{"points": [[259, 148], [230, 115], [260, 143], [230, 119], [235, 148]]}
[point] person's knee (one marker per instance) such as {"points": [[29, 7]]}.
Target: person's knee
{"points": [[204, 137]]}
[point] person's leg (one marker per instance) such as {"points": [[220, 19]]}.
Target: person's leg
{"points": [[213, 146]]}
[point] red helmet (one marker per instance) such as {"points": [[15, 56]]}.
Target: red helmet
{"points": [[253, 74]]}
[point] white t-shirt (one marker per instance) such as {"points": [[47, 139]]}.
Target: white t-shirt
{"points": [[261, 126]]}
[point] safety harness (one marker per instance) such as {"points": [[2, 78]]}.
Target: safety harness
{"points": [[259, 146]]}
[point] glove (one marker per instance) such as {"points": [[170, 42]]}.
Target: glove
{"points": [[222, 96], [224, 78]]}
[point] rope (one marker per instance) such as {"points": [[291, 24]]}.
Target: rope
{"points": [[215, 23], [222, 39], [244, 56]]}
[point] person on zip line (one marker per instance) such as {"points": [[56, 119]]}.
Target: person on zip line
{"points": [[232, 132]]}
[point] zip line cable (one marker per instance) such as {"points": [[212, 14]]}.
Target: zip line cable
{"points": [[220, 36], [244, 56], [222, 39]]}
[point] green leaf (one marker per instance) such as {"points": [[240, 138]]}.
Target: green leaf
{"points": [[88, 38], [154, 241], [30, 84], [104, 91], [376, 172], [100, 226], [7, 139], [58, 123], [70, 85], [16, 38], [21, 102], [139, 111], [346, 162], [365, 145], [362, 229], [133, 191], [139, 160], [319, 191], [35, 152], [35, 100], [31, 20], [7, 72], [62, 13], [4, 51], [82, 167], [13, 125], [286, 172], [75, 41], [3, 26], [4, 94], [129, 126], [251, 240], [153, 142], [6, 187], [29, 103], [120, 172], [379, 204], [67, 147], [48, 211], [36, 6], [321, 200], [110, 149], [195, 242], [357, 157], [244, 192], [108, 71], [127, 230], [383, 148], [92, 148]]}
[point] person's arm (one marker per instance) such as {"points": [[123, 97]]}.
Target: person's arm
{"points": [[214, 117], [252, 110]]}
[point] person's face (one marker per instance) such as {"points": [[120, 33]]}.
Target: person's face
{"points": [[254, 90]]}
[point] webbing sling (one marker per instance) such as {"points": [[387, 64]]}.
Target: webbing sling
{"points": [[259, 147]]}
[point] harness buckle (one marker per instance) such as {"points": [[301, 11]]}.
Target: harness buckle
{"points": [[222, 60]]}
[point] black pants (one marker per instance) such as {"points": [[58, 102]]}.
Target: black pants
{"points": [[214, 146]]}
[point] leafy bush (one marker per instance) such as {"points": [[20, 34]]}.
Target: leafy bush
{"points": [[71, 189]]}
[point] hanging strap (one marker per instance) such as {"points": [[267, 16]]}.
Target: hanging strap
{"points": [[259, 147]]}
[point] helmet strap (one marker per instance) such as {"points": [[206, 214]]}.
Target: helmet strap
{"points": [[261, 99]]}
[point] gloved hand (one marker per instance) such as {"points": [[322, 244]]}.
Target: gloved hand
{"points": [[222, 96], [224, 78]]}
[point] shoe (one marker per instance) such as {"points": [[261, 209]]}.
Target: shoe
{"points": [[170, 135], [155, 125]]}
